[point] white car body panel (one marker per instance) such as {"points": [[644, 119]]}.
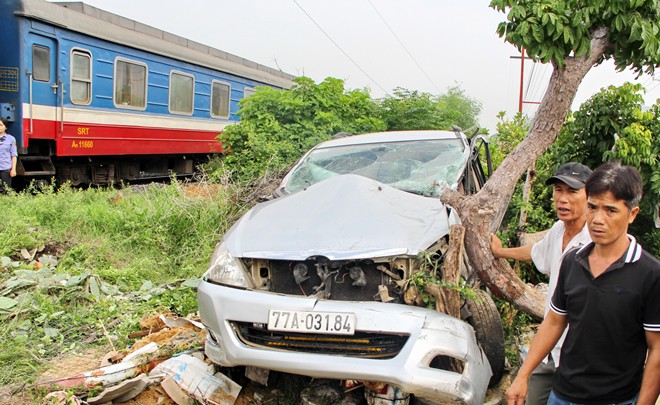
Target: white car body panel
{"points": [[340, 218]]}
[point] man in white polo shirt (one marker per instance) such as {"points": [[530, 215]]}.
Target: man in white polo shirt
{"points": [[570, 200]]}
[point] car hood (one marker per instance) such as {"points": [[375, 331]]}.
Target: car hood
{"points": [[344, 217]]}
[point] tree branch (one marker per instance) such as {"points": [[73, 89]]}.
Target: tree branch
{"points": [[482, 212]]}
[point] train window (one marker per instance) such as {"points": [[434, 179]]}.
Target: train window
{"points": [[81, 77], [220, 99], [130, 84], [248, 91], [41, 63], [182, 87]]}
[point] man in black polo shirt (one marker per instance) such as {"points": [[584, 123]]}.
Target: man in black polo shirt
{"points": [[608, 293]]}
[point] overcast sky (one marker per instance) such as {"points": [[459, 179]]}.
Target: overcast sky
{"points": [[425, 45]]}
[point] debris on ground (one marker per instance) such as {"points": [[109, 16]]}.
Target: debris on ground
{"points": [[123, 391], [175, 392], [62, 397], [198, 379], [385, 394], [321, 393], [166, 363]]}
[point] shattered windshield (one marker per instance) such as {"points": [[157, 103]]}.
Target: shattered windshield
{"points": [[423, 167]]}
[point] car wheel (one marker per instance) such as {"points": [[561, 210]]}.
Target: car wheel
{"points": [[485, 319]]}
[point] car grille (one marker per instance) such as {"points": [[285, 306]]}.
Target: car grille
{"points": [[282, 281], [361, 344]]}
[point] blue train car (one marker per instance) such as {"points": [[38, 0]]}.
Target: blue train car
{"points": [[94, 98]]}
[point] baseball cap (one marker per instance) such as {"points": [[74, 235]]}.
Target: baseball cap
{"points": [[573, 174]]}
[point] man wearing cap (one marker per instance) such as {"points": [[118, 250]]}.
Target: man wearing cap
{"points": [[570, 200]]}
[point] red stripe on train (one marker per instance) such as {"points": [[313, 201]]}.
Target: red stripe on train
{"points": [[81, 139]]}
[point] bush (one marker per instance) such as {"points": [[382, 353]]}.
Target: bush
{"points": [[278, 127]]}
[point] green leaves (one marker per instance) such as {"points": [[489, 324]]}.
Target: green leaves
{"points": [[568, 35], [277, 127], [409, 109], [555, 30], [7, 303], [537, 31], [612, 125]]}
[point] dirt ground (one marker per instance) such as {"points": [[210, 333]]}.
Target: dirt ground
{"points": [[282, 389]]}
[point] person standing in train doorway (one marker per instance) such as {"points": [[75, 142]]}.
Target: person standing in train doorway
{"points": [[8, 156]]}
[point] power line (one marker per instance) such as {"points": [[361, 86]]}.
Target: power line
{"points": [[538, 93], [647, 81], [527, 106], [648, 90], [535, 80], [650, 84], [529, 82], [404, 47], [339, 47]]}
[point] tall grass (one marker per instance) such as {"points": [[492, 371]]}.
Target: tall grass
{"points": [[99, 258]]}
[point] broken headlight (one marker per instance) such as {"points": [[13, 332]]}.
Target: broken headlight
{"points": [[227, 270]]}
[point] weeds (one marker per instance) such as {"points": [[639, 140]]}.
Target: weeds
{"points": [[77, 261], [515, 324], [430, 272]]}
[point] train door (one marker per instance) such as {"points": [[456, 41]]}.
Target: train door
{"points": [[44, 108]]}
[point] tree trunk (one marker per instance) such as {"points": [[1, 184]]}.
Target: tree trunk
{"points": [[448, 300], [526, 193], [479, 211]]}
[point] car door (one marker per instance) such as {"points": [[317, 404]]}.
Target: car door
{"points": [[476, 176]]}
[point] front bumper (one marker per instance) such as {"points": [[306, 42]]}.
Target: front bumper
{"points": [[431, 334]]}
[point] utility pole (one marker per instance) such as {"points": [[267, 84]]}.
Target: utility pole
{"points": [[522, 78], [521, 101], [531, 171]]}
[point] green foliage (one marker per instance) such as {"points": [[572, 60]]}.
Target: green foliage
{"points": [[552, 30], [612, 125], [430, 272], [277, 127], [408, 110], [161, 229], [513, 322], [19, 362], [509, 134], [540, 213], [457, 108], [422, 278], [180, 300]]}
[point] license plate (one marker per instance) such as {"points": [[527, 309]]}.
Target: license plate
{"points": [[338, 323]]}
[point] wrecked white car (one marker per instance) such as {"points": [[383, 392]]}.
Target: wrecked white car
{"points": [[312, 282]]}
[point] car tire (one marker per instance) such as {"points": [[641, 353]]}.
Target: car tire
{"points": [[485, 319]]}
